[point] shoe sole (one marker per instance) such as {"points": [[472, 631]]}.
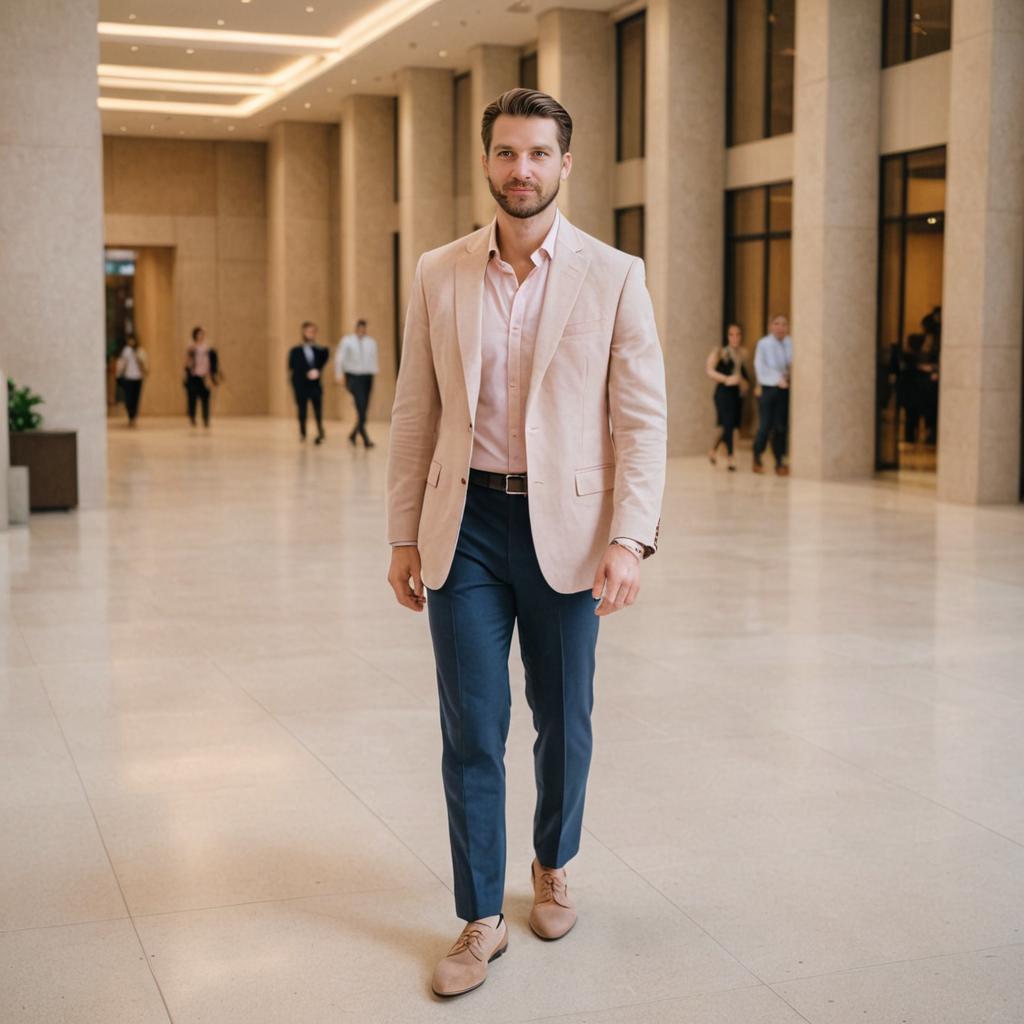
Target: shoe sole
{"points": [[494, 956]]}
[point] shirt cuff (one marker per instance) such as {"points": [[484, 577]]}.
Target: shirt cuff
{"points": [[634, 547]]}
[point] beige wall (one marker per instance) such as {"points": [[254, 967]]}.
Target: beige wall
{"points": [[51, 231], [206, 201], [301, 180]]}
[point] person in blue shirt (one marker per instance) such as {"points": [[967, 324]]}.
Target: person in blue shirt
{"points": [[773, 362]]}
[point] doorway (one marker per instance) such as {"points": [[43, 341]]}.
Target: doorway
{"points": [[140, 302], [909, 336]]}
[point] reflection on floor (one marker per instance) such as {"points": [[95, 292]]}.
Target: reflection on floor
{"points": [[220, 785]]}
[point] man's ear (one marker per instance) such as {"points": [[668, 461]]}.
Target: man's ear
{"points": [[566, 165], [483, 162]]}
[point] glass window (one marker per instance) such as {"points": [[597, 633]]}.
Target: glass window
{"points": [[915, 28], [910, 309], [528, 71], [630, 43], [761, 65], [757, 283], [629, 230]]}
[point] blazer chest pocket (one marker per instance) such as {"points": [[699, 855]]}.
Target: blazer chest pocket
{"points": [[434, 473], [595, 479], [584, 327]]}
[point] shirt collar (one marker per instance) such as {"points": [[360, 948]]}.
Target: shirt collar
{"points": [[547, 246]]}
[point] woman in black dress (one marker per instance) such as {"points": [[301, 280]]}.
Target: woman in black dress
{"points": [[727, 366]]}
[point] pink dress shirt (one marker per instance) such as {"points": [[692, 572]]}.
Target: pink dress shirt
{"points": [[510, 315]]}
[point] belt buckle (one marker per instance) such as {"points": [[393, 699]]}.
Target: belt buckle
{"points": [[519, 478]]}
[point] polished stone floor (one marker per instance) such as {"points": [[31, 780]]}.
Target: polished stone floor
{"points": [[219, 759]]}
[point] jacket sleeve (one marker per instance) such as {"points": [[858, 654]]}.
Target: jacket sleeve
{"points": [[414, 421], [637, 410]]}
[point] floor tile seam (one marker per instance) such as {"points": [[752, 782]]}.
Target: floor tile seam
{"points": [[64, 924], [110, 860], [894, 963], [646, 881], [644, 1003], [350, 790], [387, 673], [912, 791], [308, 897]]}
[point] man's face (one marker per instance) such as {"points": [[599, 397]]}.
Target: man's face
{"points": [[309, 332], [360, 329], [780, 327], [525, 168]]}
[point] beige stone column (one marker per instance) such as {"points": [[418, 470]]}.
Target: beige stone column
{"points": [[493, 70], [426, 206], [983, 277], [368, 221], [576, 65], [835, 238], [4, 457], [300, 276], [51, 222], [685, 182]]}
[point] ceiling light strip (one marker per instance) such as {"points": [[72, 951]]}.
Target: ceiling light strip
{"points": [[213, 38], [155, 85]]}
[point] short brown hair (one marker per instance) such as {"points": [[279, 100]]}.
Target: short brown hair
{"points": [[527, 103]]}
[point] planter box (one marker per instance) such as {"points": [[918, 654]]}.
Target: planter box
{"points": [[52, 460]]}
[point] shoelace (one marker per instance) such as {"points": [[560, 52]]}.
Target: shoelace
{"points": [[472, 936], [553, 887]]}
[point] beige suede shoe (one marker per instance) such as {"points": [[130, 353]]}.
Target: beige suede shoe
{"points": [[465, 966], [553, 913]]}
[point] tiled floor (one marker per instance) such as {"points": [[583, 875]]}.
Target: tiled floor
{"points": [[219, 759]]}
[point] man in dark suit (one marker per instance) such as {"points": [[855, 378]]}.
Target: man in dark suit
{"points": [[305, 363]]}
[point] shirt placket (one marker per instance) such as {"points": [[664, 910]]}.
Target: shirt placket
{"points": [[516, 456]]}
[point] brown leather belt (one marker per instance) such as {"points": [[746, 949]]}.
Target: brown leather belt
{"points": [[507, 483]]}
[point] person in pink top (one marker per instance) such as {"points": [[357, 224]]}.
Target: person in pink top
{"points": [[525, 474], [202, 372]]}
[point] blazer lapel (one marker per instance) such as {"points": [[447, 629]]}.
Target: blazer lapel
{"points": [[565, 278], [469, 298]]}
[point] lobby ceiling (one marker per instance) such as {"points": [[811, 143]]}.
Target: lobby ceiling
{"points": [[230, 69]]}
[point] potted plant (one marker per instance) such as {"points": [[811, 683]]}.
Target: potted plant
{"points": [[50, 455]]}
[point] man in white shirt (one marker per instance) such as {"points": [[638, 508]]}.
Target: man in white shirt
{"points": [[356, 362], [773, 361]]}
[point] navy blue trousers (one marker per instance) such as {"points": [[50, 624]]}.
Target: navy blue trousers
{"points": [[494, 584]]}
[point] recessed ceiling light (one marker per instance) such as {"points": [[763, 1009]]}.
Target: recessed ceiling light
{"points": [[329, 89], [435, 24], [310, 10], [284, 108], [231, 127], [442, 53], [246, 1], [190, 51], [307, 105], [152, 127], [131, 17], [220, 21], [355, 81], [123, 128], [135, 49], [181, 133]]}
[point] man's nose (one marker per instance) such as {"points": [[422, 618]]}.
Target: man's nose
{"points": [[522, 169]]}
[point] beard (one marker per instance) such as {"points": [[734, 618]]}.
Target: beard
{"points": [[525, 207]]}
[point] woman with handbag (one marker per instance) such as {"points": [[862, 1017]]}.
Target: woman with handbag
{"points": [[727, 366], [131, 369]]}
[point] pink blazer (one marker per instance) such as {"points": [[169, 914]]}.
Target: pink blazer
{"points": [[595, 412]]}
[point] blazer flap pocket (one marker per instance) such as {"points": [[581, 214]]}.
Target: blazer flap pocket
{"points": [[599, 478], [433, 473], [582, 326]]}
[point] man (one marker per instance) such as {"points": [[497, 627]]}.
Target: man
{"points": [[525, 475], [773, 361], [356, 362], [305, 361]]}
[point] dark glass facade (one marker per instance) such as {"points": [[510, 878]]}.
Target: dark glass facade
{"points": [[630, 44], [913, 200], [757, 258], [915, 28], [761, 51]]}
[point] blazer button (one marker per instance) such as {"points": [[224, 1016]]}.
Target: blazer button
{"points": [[463, 479]]}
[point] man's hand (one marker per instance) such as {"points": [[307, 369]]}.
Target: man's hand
{"points": [[405, 567], [617, 580]]}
